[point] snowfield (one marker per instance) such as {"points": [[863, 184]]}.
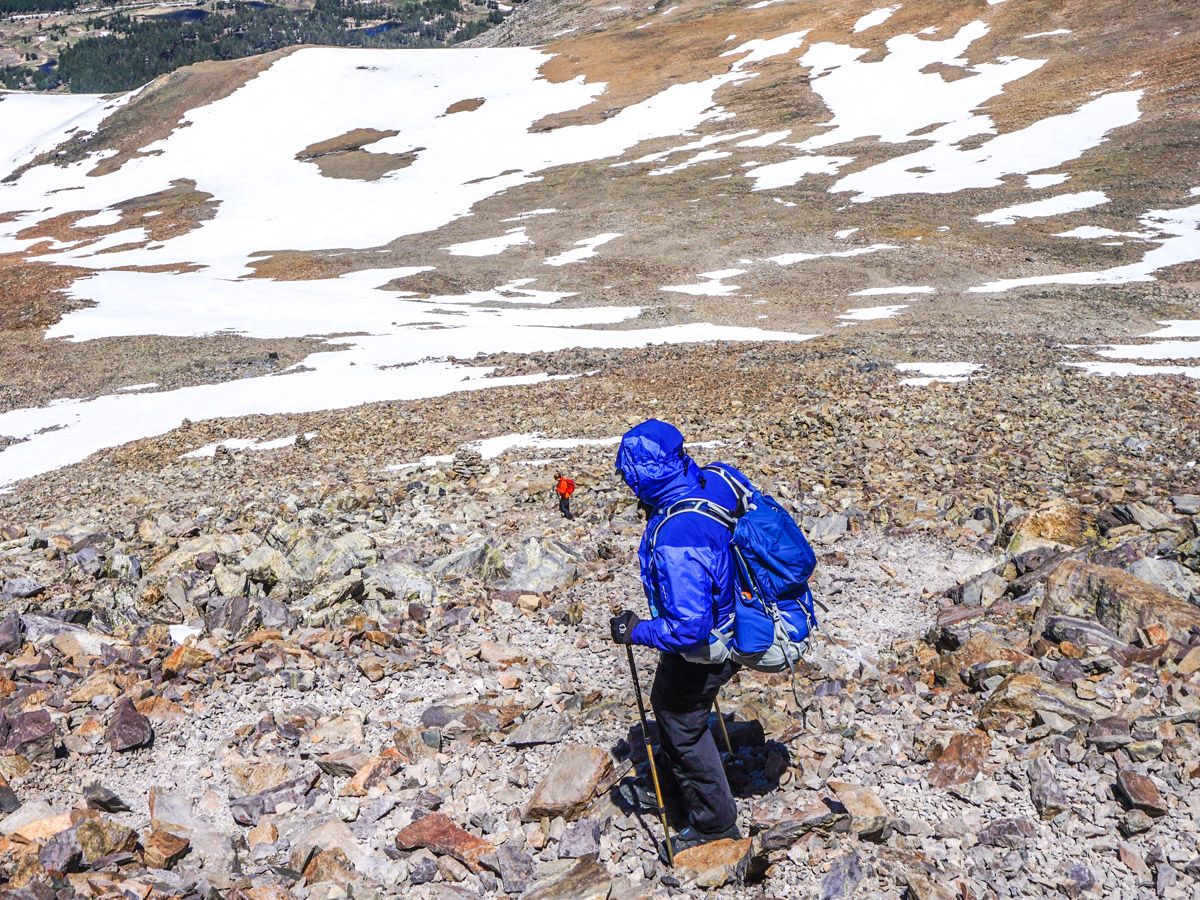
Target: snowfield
{"points": [[267, 198]]}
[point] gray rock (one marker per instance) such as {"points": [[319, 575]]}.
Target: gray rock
{"points": [[101, 798], [1135, 822], [540, 728], [1187, 504], [218, 855], [21, 588], [1047, 794], [480, 560], [818, 817], [1145, 517], [1166, 573], [586, 880], [828, 529], [580, 838], [400, 582], [982, 590], [1109, 733], [1086, 633], [249, 809], [569, 784]]}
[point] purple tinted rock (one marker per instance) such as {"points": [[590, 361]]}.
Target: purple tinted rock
{"points": [[581, 838], [843, 878], [22, 588], [12, 633], [129, 729], [248, 810], [31, 734], [1067, 671], [62, 854], [1013, 833], [516, 869]]}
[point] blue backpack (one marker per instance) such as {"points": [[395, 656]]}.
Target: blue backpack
{"points": [[773, 561]]}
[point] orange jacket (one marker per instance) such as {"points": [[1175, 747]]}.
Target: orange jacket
{"points": [[565, 487]]}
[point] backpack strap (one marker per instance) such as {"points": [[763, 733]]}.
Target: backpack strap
{"points": [[740, 491], [703, 507]]}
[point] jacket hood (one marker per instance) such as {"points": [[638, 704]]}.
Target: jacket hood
{"points": [[654, 464]]}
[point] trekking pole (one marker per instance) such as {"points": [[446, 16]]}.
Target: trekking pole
{"points": [[724, 730], [658, 798]]}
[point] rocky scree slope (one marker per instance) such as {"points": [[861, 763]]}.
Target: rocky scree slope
{"points": [[409, 691]]}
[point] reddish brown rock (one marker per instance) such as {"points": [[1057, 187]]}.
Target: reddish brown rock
{"points": [[714, 864], [161, 849], [376, 770], [963, 759], [184, 659], [330, 866], [436, 833], [1141, 793]]}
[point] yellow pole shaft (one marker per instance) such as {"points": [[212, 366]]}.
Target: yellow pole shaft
{"points": [[724, 730]]}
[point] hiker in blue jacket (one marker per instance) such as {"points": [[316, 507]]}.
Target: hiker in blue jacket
{"points": [[687, 572]]}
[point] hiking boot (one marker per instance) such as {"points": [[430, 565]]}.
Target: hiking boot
{"points": [[638, 796], [689, 837]]}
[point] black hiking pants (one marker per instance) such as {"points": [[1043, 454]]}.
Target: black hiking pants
{"points": [[564, 506], [682, 697]]}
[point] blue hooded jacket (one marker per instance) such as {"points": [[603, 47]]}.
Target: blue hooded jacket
{"points": [[689, 578]]}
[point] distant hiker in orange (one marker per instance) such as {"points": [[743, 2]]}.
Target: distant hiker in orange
{"points": [[564, 488]]}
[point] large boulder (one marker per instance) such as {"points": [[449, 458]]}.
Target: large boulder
{"points": [[301, 557], [480, 560], [1060, 523], [541, 566], [569, 785], [1119, 601]]}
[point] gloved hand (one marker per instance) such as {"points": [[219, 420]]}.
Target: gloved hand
{"points": [[622, 626]]}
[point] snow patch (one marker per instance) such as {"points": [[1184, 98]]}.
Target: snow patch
{"points": [[1176, 231], [871, 313], [514, 237], [788, 259], [712, 286], [1037, 182], [1050, 206], [929, 372], [896, 289], [583, 249], [871, 19]]}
